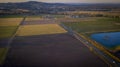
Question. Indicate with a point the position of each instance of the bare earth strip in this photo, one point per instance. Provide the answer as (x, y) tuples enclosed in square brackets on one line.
[(58, 50)]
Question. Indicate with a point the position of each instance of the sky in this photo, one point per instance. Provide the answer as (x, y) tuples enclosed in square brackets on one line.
[(65, 1)]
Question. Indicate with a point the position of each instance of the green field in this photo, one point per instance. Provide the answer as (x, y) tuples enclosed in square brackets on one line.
[(87, 27), (8, 26), (96, 25), (3, 53), (7, 31)]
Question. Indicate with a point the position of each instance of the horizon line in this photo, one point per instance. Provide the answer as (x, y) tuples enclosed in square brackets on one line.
[(68, 2)]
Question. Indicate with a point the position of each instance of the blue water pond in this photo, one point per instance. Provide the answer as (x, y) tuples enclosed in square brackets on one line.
[(108, 40)]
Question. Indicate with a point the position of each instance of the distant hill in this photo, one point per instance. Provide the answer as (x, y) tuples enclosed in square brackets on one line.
[(33, 7)]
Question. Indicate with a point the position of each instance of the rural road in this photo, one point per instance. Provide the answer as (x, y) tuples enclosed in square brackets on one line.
[(110, 61)]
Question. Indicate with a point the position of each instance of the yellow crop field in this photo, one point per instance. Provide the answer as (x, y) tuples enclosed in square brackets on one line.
[(28, 30), (10, 21), (33, 19), (3, 52)]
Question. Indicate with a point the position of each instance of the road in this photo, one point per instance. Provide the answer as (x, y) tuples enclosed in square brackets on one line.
[(104, 56)]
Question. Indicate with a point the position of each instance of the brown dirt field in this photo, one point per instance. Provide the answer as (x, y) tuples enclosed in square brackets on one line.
[(58, 50), (43, 21), (4, 42)]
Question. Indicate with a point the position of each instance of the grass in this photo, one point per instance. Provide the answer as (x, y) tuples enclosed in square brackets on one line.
[(7, 31), (58, 16), (100, 24), (10, 21), (8, 26), (117, 48), (3, 52), (43, 29)]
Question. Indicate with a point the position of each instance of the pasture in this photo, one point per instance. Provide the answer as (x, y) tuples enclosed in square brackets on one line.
[(97, 25)]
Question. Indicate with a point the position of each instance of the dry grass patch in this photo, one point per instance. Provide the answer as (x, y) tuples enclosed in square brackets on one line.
[(10, 21), (28, 30)]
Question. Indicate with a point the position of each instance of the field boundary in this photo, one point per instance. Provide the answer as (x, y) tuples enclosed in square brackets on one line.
[(11, 39), (101, 52)]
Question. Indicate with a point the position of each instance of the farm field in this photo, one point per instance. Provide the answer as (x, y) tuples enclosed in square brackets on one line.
[(99, 25), (36, 18), (69, 19), (29, 30), (11, 16), (4, 42), (10, 21), (46, 44), (8, 27), (7, 31), (3, 52), (40, 21), (51, 50)]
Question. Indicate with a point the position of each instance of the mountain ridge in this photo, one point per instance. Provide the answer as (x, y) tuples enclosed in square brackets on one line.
[(42, 7)]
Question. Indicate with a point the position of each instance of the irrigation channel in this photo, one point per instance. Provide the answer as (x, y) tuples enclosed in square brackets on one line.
[(109, 60)]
